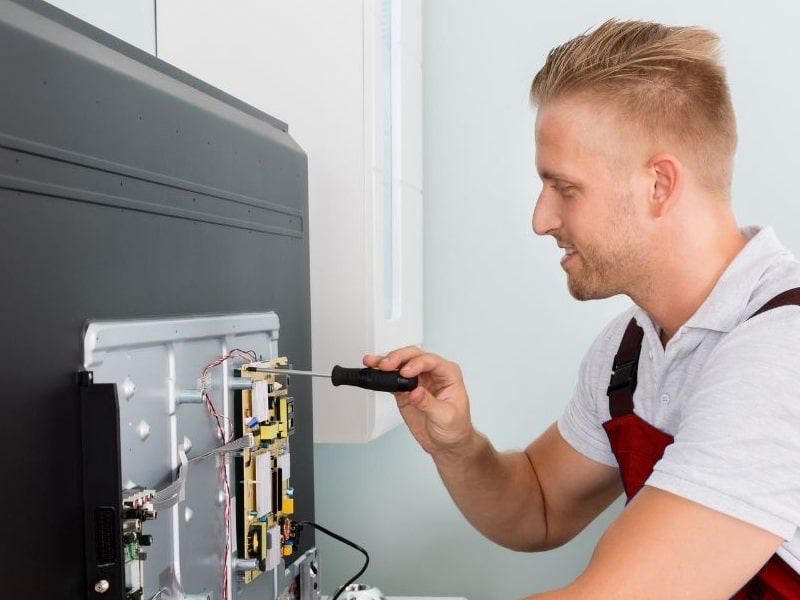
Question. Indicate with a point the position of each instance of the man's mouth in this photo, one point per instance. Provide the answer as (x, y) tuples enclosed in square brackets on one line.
[(569, 253)]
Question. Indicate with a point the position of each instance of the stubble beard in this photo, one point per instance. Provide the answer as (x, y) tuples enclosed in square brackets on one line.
[(611, 267), (597, 276)]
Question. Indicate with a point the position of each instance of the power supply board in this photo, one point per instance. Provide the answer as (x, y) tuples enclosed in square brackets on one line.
[(263, 472)]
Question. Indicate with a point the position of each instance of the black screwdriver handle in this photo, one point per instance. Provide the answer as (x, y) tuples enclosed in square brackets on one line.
[(373, 379)]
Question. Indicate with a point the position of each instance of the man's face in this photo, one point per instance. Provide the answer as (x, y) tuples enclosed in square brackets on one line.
[(591, 199)]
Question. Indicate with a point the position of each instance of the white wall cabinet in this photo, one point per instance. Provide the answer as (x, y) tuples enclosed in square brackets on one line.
[(346, 76)]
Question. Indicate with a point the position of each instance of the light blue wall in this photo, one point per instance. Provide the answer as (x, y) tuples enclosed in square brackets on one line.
[(495, 298)]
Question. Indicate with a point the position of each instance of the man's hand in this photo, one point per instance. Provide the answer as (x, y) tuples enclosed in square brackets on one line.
[(437, 411)]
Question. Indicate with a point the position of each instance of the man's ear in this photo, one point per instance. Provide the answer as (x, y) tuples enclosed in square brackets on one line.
[(667, 176)]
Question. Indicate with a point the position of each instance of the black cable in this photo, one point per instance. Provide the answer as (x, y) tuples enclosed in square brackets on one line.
[(344, 540)]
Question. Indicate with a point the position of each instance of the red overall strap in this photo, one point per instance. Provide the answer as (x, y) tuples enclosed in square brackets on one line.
[(638, 446), (775, 581), (626, 365), (786, 298)]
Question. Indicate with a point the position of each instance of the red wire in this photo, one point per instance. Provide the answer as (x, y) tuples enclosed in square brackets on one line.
[(248, 356)]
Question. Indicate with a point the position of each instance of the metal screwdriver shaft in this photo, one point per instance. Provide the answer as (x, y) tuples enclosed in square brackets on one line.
[(278, 371)]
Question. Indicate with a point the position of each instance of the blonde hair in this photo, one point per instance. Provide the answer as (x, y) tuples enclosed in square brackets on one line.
[(666, 82)]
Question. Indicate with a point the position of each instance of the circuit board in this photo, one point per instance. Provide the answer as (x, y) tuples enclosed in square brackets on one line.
[(137, 507), (263, 473)]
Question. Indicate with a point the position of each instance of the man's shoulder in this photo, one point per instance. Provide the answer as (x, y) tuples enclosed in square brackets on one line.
[(607, 341), (781, 275), (772, 268)]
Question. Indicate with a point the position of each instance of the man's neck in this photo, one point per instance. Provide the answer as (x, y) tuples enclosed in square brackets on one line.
[(687, 278)]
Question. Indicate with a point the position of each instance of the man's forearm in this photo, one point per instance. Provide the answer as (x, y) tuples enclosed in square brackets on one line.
[(498, 493)]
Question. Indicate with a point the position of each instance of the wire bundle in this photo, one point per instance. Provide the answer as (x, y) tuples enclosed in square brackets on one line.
[(225, 433)]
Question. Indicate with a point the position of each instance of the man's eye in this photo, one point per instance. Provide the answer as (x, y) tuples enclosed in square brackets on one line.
[(564, 191)]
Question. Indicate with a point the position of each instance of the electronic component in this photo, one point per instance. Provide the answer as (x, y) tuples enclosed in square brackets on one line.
[(263, 473), (137, 507)]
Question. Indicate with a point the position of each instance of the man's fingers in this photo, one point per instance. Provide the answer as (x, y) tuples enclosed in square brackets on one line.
[(421, 400), (372, 360), (393, 360), (413, 397), (437, 410)]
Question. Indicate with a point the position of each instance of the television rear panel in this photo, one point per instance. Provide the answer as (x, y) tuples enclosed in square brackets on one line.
[(135, 196)]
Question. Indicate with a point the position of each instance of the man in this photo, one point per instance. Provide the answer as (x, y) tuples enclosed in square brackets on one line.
[(635, 137)]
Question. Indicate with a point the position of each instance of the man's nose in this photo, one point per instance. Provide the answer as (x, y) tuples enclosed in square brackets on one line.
[(545, 218)]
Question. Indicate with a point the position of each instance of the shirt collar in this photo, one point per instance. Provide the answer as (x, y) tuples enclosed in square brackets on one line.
[(724, 308)]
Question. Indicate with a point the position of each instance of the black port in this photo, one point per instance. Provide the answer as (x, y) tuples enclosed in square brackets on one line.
[(239, 473), (129, 537), (142, 514), (277, 490), (105, 535)]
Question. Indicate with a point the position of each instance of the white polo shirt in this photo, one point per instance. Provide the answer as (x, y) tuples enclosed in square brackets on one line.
[(726, 388)]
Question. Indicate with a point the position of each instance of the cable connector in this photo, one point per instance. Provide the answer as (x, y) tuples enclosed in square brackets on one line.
[(297, 529)]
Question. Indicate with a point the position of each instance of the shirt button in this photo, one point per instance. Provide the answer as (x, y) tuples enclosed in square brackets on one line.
[(650, 354), (665, 399)]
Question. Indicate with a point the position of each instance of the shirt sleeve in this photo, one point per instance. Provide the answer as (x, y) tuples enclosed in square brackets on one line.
[(737, 447), (581, 424)]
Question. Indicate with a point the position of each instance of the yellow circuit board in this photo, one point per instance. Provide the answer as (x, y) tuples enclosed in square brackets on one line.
[(267, 498)]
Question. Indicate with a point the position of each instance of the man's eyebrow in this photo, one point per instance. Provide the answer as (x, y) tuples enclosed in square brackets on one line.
[(546, 175)]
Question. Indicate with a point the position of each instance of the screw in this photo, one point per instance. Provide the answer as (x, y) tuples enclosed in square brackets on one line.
[(102, 586), (143, 429), (128, 388)]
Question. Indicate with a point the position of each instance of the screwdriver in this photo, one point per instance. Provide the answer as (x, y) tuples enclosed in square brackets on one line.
[(369, 379)]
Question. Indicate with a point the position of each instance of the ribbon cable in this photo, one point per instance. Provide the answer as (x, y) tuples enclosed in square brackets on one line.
[(174, 492)]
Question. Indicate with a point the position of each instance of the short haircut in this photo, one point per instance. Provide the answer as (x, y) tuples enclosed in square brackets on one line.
[(667, 82)]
